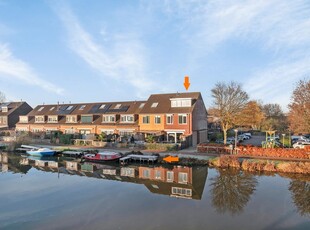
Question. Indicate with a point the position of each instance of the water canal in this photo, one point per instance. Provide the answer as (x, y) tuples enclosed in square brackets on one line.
[(65, 194)]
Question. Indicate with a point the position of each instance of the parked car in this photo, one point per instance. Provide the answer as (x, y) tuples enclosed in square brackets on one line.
[(301, 144), (248, 134)]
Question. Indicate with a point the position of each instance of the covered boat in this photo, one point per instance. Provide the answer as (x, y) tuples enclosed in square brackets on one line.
[(41, 152), (102, 156)]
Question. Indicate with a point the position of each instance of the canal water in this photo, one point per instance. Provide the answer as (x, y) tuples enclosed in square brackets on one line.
[(65, 194)]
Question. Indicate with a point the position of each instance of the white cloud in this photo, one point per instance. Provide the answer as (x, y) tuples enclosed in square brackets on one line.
[(125, 61), (13, 68)]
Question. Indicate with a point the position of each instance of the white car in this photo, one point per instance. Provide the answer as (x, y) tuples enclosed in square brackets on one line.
[(300, 145)]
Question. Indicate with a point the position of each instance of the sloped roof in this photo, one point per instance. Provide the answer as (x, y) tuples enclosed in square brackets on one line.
[(128, 107), (164, 103), (12, 106)]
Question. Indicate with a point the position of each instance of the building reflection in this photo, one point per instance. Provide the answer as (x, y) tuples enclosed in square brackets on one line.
[(300, 190), (174, 181)]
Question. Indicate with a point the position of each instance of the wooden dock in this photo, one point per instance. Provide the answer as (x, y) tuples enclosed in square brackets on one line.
[(140, 158)]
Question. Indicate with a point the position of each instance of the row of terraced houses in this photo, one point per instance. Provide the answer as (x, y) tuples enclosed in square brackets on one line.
[(172, 116)]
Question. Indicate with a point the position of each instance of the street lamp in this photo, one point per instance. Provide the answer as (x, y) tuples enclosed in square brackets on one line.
[(283, 135), (236, 138)]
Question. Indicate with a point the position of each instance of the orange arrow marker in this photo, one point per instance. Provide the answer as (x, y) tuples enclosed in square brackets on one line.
[(186, 82), (171, 159)]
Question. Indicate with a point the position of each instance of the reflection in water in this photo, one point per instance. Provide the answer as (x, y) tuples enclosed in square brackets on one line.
[(231, 190), (300, 191), (174, 181)]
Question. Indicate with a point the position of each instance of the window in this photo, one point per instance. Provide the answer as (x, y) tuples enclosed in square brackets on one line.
[(82, 107), (182, 178), (117, 106), (182, 119), (154, 105), (157, 174), (181, 191), (41, 108), (130, 172), (169, 176), (146, 119), (70, 107), (169, 119), (52, 108), (102, 107), (71, 119), (108, 118), (52, 119), (141, 106), (127, 118), (124, 133), (146, 173), (86, 119), (39, 119), (23, 119), (3, 120), (5, 109), (69, 131), (157, 119), (37, 130), (181, 102)]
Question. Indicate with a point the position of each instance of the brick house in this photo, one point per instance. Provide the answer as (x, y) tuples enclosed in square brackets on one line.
[(171, 116), (10, 112)]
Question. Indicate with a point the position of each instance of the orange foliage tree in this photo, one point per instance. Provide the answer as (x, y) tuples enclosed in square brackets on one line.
[(299, 108), (251, 116)]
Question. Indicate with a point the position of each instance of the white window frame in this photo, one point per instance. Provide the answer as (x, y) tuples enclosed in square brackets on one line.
[(170, 176), (146, 173), (108, 118), (171, 116), (156, 121), (127, 119), (183, 116), (23, 119), (154, 105), (183, 178), (157, 174), (146, 117), (117, 106), (51, 119), (70, 120), (37, 120), (41, 108)]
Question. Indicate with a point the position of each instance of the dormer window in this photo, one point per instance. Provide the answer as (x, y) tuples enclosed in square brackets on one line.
[(71, 119), (154, 105), (23, 119), (108, 118), (5, 109), (52, 119), (181, 102), (39, 119), (127, 118), (87, 118)]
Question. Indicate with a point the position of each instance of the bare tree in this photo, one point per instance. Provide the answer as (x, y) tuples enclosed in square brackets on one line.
[(299, 108), (2, 97), (229, 100)]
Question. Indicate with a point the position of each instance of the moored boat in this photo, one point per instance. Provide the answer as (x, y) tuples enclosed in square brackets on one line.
[(41, 152), (102, 156)]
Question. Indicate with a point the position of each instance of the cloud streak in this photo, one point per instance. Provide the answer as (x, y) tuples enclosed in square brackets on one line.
[(124, 62), (17, 69)]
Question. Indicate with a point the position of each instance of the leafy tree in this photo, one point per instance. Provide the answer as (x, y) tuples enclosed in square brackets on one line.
[(2, 97), (274, 118), (252, 115), (299, 108), (229, 100)]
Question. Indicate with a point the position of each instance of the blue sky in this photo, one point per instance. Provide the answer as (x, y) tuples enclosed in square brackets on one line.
[(92, 51)]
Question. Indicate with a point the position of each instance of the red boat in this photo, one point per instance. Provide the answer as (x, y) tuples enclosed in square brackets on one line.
[(102, 156)]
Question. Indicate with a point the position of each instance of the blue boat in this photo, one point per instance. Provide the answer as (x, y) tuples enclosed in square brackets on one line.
[(41, 152)]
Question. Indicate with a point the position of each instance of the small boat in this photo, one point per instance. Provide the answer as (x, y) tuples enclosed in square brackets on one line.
[(102, 156), (41, 152)]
